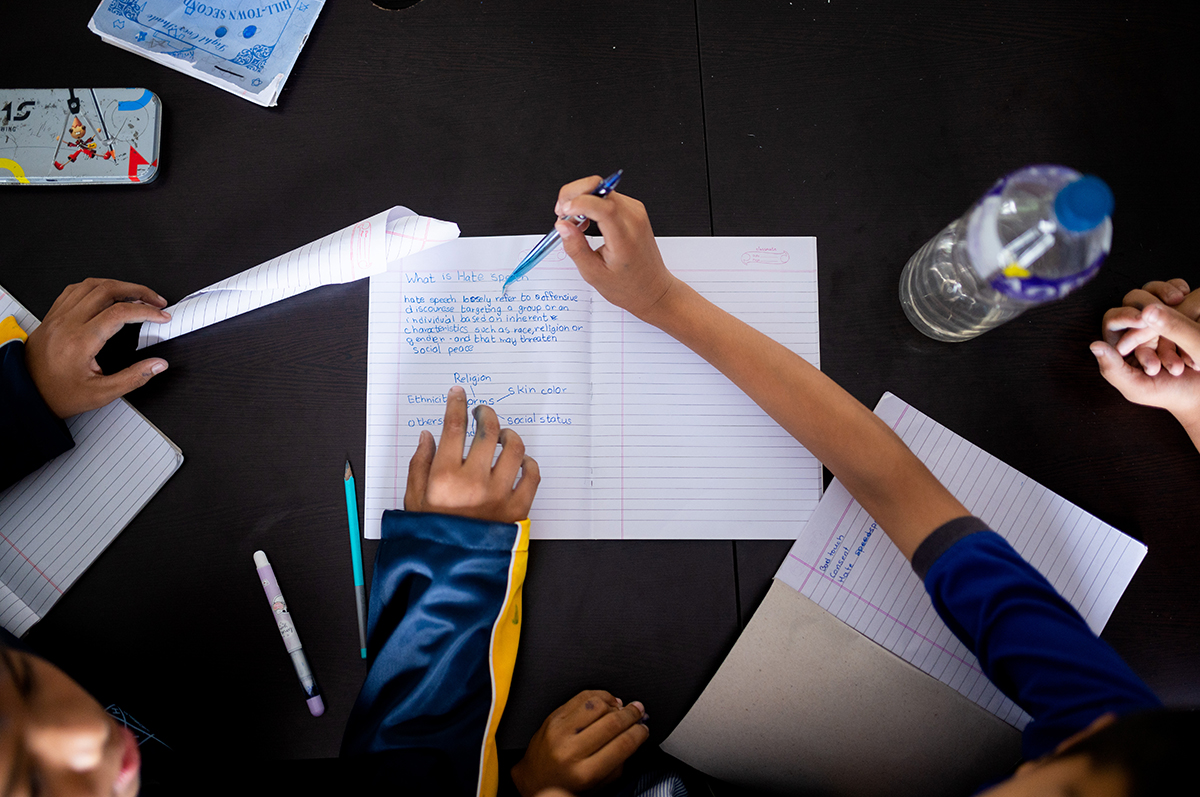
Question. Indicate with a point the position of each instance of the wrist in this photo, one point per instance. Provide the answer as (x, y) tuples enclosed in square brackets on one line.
[(520, 779), (1190, 421), (667, 306), (41, 380)]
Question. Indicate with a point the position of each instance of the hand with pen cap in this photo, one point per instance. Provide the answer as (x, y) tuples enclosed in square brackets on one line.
[(441, 480), (1157, 329), (582, 745), (61, 353), (628, 269)]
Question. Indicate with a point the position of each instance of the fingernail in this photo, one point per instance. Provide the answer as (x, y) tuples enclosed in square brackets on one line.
[(1152, 314), (426, 435), (638, 705), (161, 299), (158, 368), (1097, 350), (620, 702), (475, 412), (165, 314), (457, 391)]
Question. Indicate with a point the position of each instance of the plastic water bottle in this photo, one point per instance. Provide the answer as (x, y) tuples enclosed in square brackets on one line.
[(1038, 234)]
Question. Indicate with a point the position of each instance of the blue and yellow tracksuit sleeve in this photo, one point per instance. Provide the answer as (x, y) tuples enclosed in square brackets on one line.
[(30, 434), (442, 633)]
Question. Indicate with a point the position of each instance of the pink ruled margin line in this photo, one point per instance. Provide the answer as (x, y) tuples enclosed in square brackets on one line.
[(31, 564), (812, 569), (897, 621), (837, 525)]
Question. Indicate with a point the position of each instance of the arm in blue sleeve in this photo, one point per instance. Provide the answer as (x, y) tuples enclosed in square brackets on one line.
[(1030, 641), (434, 685), (32, 435)]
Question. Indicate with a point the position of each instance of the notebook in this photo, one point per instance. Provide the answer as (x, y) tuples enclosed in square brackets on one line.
[(246, 47), (847, 680), (58, 519), (844, 563), (636, 436)]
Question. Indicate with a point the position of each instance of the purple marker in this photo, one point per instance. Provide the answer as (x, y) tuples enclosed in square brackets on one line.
[(291, 640)]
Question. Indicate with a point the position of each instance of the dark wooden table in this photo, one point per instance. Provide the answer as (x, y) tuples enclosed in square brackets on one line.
[(868, 125)]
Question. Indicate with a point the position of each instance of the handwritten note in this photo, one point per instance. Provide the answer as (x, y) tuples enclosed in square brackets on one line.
[(357, 251), (636, 436), (845, 563)]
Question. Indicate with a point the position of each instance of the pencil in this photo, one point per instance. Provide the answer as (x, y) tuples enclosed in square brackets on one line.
[(356, 559)]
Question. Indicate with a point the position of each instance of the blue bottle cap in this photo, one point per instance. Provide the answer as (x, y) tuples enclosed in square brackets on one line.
[(1083, 204)]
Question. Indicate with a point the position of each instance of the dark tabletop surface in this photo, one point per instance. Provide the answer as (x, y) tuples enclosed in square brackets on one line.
[(869, 125)]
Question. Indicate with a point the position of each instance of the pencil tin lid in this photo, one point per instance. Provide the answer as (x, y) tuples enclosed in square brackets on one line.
[(79, 136)]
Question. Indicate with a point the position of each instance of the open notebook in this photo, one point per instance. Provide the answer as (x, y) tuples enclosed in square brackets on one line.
[(847, 679), (636, 436), (58, 519)]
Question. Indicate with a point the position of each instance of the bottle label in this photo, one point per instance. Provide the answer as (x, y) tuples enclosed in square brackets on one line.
[(1032, 288), (1008, 267)]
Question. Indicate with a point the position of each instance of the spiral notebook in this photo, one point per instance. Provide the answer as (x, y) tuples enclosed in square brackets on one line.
[(58, 519)]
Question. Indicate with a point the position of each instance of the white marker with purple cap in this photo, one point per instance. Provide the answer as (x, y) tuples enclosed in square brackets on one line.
[(287, 630)]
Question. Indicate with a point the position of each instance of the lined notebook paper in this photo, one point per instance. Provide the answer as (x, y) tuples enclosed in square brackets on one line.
[(635, 435), (58, 519), (847, 565), (349, 254)]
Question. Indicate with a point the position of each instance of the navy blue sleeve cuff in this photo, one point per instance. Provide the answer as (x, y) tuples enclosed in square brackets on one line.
[(941, 540), (31, 433), (1029, 640)]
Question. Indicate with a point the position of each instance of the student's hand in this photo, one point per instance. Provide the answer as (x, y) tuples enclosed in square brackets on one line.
[(441, 480), (583, 744), (61, 353), (627, 270), (1165, 344), (1123, 328)]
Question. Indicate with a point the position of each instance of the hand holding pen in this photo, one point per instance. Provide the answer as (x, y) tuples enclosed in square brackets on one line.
[(627, 269), (547, 244)]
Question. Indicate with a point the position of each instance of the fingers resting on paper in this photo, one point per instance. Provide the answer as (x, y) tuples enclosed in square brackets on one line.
[(1151, 348), (582, 744), (441, 479), (627, 269), (61, 352)]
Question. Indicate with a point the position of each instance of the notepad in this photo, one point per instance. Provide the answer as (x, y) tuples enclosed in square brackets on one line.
[(847, 565), (636, 436), (58, 519), (846, 681)]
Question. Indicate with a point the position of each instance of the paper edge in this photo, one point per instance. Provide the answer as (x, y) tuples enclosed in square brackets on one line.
[(764, 625)]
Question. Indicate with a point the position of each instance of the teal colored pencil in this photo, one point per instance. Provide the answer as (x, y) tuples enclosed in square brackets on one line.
[(356, 559)]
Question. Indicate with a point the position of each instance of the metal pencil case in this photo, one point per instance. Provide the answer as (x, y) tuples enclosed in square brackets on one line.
[(79, 136)]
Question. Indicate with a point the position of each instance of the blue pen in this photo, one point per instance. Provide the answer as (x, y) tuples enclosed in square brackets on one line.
[(356, 559), (547, 244)]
